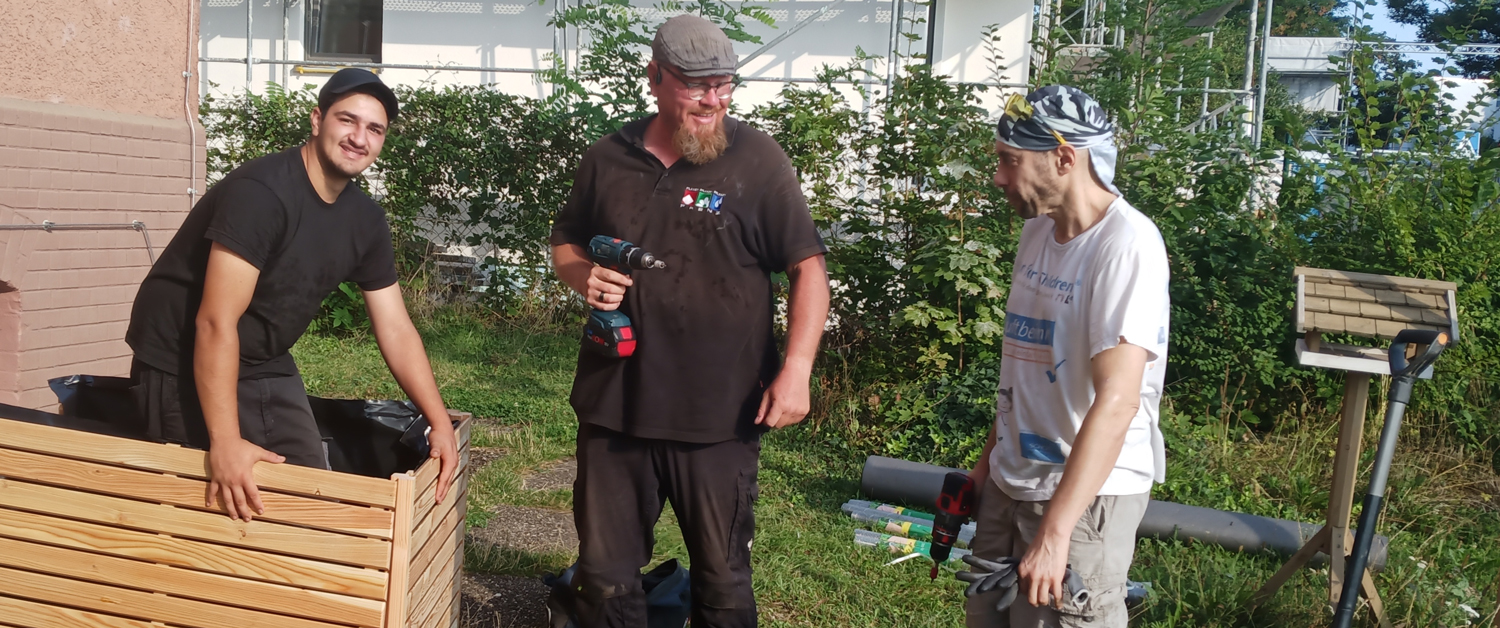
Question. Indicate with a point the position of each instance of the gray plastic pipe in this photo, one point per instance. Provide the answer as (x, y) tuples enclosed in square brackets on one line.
[(904, 481)]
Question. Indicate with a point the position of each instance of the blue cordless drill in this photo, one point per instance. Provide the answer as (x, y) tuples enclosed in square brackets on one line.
[(609, 333)]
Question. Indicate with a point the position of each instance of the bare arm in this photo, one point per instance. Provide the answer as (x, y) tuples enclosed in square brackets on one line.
[(1117, 376), (788, 399), (981, 472), (228, 285), (602, 288), (404, 355)]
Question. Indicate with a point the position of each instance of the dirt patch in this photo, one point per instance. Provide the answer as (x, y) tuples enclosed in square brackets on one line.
[(480, 456), (529, 529), (557, 476), (491, 601)]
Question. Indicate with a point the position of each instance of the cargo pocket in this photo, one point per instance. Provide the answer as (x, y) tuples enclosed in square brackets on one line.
[(742, 529)]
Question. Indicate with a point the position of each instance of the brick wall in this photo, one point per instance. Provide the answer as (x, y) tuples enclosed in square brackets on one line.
[(70, 164)]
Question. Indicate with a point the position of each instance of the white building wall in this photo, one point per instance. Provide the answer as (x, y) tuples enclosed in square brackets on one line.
[(514, 34)]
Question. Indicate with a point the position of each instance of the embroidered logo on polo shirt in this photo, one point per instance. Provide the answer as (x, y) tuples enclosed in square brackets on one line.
[(702, 200)]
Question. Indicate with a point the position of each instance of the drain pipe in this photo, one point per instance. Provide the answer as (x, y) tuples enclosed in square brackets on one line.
[(904, 481), (187, 107), (50, 226)]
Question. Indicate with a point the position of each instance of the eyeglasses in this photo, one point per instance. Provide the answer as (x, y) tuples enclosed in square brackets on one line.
[(696, 91)]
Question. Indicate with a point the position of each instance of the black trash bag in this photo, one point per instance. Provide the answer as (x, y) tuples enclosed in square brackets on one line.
[(103, 399), (370, 438), (39, 417), (669, 600)]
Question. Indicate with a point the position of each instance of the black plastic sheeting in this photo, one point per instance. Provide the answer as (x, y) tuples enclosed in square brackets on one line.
[(363, 437), (896, 480)]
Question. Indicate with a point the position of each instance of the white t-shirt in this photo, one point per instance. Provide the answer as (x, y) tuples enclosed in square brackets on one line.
[(1068, 302)]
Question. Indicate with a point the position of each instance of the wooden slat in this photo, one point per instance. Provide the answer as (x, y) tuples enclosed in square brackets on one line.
[(1424, 300), (205, 526), (424, 517), (1389, 329), (1375, 310), (186, 492), (1302, 296), (28, 614), (427, 476), (436, 580), (1317, 304), (1407, 314), (443, 592), (465, 427), (440, 534), (300, 572), (426, 530), (451, 518), (434, 597), (431, 574), (1344, 307), (1428, 286), (1326, 322), (1359, 293), (400, 559), (207, 587), (1390, 297), (1326, 290), (1435, 317), (283, 478), (118, 601), (1360, 326)]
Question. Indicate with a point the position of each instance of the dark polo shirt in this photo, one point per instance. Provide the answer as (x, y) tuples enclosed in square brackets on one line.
[(705, 351)]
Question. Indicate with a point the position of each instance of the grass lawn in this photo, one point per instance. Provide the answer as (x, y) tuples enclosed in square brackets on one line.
[(1442, 512)]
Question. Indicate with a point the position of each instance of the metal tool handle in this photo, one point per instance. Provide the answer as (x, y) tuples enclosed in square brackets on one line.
[(1403, 375), (1435, 341)]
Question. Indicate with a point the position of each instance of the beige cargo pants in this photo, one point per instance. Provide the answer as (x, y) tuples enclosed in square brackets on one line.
[(1102, 546)]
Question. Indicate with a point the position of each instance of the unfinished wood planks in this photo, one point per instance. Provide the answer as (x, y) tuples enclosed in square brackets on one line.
[(97, 531)]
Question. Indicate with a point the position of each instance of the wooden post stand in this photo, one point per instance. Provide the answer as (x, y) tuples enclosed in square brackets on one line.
[(1373, 306)]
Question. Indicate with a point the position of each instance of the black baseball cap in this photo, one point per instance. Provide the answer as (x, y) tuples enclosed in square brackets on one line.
[(358, 80)]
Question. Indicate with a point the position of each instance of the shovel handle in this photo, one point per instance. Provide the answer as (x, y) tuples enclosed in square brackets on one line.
[(1434, 341)]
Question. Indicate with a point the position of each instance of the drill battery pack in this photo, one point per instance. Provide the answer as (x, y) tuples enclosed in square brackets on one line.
[(609, 334)]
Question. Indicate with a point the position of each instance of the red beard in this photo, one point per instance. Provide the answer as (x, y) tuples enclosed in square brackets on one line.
[(697, 144)]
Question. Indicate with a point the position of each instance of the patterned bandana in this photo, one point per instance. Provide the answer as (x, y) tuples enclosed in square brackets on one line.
[(1059, 115)]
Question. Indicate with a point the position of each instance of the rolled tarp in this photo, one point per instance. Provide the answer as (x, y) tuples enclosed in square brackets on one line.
[(916, 483)]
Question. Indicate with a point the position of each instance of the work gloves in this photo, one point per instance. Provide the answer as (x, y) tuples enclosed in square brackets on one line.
[(987, 575)]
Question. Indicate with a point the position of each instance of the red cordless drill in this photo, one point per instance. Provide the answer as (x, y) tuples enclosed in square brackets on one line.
[(954, 506), (609, 333)]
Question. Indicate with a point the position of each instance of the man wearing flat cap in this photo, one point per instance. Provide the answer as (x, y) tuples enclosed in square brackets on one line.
[(680, 420), (243, 278), (1075, 446)]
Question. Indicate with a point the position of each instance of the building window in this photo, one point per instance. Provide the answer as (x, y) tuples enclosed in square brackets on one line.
[(343, 30)]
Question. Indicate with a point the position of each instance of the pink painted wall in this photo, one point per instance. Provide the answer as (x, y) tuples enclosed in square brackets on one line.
[(124, 56), (93, 129)]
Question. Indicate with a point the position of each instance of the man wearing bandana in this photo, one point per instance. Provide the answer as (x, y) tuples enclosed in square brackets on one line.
[(1064, 479), (680, 420)]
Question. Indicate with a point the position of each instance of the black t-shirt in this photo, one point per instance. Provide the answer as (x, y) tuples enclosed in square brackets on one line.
[(705, 350), (268, 212)]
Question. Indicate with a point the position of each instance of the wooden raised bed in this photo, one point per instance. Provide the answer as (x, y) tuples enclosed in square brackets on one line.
[(99, 531)]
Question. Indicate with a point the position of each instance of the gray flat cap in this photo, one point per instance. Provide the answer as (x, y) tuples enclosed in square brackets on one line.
[(695, 46)]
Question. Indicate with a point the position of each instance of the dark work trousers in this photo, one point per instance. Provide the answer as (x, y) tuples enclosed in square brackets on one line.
[(274, 414), (622, 483)]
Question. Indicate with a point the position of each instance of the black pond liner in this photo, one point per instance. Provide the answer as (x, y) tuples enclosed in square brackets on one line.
[(363, 437)]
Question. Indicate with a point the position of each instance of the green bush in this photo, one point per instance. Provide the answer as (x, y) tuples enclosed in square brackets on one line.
[(921, 242)]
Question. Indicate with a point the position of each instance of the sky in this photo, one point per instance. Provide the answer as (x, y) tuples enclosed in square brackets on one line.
[(1401, 32)]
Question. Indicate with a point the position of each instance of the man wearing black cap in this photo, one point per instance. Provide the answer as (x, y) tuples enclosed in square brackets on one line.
[(1076, 444), (680, 420), (242, 279)]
